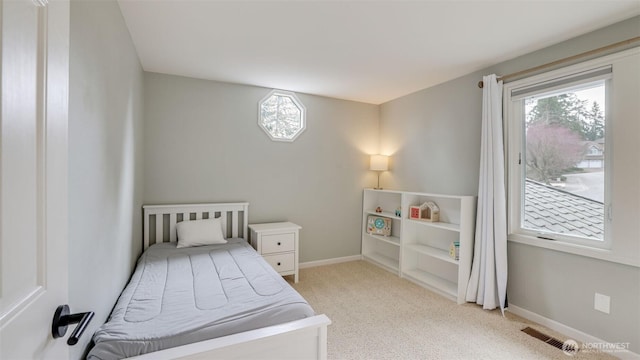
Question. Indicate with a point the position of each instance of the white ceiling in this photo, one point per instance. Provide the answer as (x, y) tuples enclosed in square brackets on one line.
[(356, 50)]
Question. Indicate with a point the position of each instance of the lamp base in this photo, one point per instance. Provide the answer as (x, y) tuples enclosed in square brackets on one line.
[(378, 187)]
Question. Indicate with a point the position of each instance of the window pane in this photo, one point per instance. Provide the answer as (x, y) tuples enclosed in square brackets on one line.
[(281, 116), (564, 162)]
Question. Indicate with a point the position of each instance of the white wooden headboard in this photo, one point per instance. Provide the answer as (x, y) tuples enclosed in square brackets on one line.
[(160, 220)]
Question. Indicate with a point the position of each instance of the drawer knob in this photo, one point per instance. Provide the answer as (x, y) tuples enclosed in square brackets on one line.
[(278, 264), (279, 243)]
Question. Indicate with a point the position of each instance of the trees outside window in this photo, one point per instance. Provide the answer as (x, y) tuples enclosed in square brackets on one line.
[(551, 150), (560, 131)]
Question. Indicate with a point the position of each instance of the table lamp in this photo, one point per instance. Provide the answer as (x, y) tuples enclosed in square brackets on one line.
[(379, 163)]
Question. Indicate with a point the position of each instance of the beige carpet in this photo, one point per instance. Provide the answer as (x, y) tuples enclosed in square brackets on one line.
[(377, 315)]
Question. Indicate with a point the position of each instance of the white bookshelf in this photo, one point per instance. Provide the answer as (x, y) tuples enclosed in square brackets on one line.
[(419, 250), (382, 250)]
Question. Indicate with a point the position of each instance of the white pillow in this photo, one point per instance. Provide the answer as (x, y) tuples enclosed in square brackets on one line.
[(199, 232)]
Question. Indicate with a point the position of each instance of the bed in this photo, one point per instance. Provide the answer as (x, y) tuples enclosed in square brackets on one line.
[(205, 302)]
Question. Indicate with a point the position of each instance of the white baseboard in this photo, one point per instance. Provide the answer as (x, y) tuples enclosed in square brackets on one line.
[(309, 264), (570, 332)]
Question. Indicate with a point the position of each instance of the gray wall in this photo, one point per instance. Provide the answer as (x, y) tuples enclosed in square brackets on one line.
[(105, 160), (203, 144), (434, 137)]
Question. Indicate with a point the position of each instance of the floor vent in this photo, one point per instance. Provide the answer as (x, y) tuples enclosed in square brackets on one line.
[(548, 339)]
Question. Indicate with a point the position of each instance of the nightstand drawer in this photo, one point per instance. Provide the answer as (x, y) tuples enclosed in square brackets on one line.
[(278, 243), (281, 262)]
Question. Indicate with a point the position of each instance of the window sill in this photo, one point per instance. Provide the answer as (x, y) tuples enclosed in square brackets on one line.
[(580, 250)]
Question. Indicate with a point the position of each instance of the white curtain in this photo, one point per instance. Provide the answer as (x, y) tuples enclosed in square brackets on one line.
[(488, 282)]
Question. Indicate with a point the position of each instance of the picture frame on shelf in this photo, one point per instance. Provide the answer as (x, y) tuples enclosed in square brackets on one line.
[(378, 225)]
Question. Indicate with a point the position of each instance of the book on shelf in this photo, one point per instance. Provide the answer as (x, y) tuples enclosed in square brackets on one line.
[(454, 250)]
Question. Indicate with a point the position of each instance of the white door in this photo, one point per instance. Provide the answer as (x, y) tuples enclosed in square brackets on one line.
[(34, 51)]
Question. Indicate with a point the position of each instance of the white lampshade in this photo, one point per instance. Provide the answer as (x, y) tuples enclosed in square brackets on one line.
[(379, 163)]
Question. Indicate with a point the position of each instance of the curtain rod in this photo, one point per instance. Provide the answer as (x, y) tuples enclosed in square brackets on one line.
[(609, 48)]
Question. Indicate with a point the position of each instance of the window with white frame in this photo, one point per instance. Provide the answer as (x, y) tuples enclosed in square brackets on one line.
[(573, 158), (559, 186), (281, 115)]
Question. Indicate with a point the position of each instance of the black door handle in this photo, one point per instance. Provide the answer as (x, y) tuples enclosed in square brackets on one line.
[(62, 319)]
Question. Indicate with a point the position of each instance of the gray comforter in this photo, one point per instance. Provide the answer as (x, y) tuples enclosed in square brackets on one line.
[(181, 296)]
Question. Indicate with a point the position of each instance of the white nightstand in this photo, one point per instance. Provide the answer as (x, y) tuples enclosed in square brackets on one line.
[(278, 245)]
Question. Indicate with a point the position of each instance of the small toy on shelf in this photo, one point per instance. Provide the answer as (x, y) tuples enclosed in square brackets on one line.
[(454, 250), (398, 212), (378, 209), (428, 211)]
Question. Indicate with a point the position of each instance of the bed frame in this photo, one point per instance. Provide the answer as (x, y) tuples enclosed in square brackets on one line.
[(160, 220), (301, 339)]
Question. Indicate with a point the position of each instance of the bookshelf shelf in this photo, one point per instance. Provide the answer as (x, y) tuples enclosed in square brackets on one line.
[(440, 225), (393, 240), (384, 260), (433, 252), (448, 288)]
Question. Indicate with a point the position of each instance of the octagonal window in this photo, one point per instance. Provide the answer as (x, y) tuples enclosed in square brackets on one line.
[(281, 115)]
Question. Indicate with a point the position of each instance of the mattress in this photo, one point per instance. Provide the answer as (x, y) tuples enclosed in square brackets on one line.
[(182, 296)]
